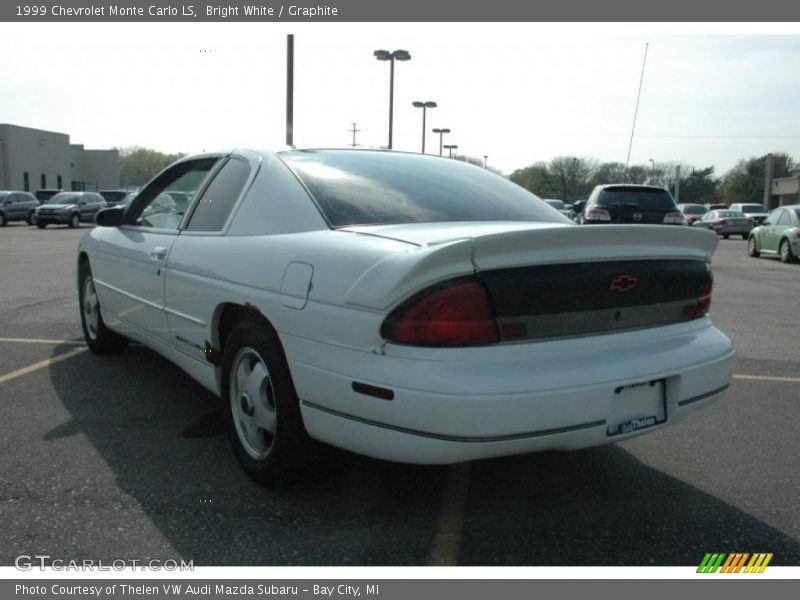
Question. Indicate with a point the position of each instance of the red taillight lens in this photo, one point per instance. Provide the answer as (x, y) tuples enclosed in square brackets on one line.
[(456, 314), (597, 214), (674, 218), (703, 304)]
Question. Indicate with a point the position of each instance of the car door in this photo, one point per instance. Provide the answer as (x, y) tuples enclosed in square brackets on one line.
[(129, 265), (11, 207), (769, 241)]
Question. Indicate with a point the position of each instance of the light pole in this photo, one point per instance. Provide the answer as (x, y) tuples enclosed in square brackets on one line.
[(652, 169), (485, 158), (391, 57), (424, 106), (451, 147), (441, 132)]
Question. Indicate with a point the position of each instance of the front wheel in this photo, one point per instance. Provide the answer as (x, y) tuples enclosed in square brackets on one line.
[(31, 218), (262, 411), (752, 250), (786, 252), (98, 337), (726, 235), (3, 220), (41, 225), (75, 221)]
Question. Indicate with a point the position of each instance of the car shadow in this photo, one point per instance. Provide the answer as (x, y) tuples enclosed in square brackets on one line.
[(161, 435)]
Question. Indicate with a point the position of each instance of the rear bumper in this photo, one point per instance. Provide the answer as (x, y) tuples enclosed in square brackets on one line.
[(456, 405)]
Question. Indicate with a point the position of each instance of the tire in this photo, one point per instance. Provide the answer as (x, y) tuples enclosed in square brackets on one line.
[(3, 220), (726, 236), (99, 338), (75, 221), (744, 236), (260, 404), (31, 218), (41, 225), (752, 249), (786, 252)]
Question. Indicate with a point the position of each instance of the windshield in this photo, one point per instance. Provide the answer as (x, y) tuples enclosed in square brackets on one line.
[(557, 204), (729, 213), (3, 195), (643, 198), (64, 198), (379, 188), (694, 210)]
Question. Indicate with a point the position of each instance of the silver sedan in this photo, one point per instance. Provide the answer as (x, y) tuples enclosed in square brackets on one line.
[(726, 223)]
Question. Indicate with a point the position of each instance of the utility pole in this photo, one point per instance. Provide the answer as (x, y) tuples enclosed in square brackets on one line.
[(677, 184), (354, 131)]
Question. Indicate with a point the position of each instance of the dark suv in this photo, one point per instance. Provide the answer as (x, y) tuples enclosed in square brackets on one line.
[(628, 203), (69, 208)]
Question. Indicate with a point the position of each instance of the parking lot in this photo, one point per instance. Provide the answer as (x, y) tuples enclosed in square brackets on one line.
[(124, 456)]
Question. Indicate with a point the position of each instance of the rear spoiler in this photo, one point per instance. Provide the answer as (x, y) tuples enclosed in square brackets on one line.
[(399, 275)]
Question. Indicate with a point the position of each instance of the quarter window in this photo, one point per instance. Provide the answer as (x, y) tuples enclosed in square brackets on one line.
[(214, 206)]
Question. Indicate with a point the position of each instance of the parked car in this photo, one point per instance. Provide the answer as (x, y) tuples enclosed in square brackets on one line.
[(628, 203), (113, 197), (780, 234), (755, 211), (69, 208), (726, 223), (718, 206), (403, 306), (692, 212), (559, 205), (17, 206), (44, 195)]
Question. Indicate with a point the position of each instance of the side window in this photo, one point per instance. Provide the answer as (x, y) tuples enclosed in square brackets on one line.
[(214, 206), (155, 205), (773, 217), (784, 218)]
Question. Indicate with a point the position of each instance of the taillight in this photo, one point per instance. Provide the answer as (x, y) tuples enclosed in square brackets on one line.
[(674, 218), (457, 313), (597, 214), (723, 221), (703, 304)]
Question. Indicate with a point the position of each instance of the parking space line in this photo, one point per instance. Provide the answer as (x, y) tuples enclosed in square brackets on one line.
[(768, 378), (37, 341), (41, 365), (447, 541)]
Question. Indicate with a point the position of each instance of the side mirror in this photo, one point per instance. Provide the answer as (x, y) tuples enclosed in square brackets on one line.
[(110, 217)]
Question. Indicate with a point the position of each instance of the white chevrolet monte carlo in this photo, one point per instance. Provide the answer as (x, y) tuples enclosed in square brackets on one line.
[(402, 306)]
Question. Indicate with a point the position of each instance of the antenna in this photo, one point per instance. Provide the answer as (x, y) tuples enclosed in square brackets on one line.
[(290, 90), (354, 131), (636, 111)]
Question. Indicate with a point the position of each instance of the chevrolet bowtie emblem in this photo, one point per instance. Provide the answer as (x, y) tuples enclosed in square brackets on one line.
[(623, 283)]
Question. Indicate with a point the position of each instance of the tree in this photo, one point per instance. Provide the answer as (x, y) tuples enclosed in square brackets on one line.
[(699, 186), (138, 165), (567, 178), (745, 181), (478, 162)]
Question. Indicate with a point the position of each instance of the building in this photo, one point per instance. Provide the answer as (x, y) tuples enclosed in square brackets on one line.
[(786, 190), (34, 159)]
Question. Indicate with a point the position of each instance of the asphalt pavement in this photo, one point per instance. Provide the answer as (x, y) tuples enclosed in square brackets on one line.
[(124, 457)]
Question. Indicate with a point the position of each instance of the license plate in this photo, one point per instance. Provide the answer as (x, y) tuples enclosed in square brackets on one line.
[(637, 406)]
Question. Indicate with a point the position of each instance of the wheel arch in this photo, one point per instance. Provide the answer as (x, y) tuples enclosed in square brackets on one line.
[(225, 317)]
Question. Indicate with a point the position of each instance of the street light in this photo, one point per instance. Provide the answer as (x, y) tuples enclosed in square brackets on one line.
[(485, 158), (391, 57), (652, 168), (424, 106), (451, 147), (441, 132)]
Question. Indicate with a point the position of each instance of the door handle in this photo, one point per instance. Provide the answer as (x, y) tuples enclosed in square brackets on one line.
[(158, 253)]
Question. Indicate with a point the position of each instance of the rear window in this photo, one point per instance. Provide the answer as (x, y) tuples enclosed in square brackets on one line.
[(378, 188), (643, 198)]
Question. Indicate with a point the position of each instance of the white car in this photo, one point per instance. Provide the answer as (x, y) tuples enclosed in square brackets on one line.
[(403, 306)]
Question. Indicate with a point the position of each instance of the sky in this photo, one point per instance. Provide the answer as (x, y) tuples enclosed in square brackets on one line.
[(517, 93)]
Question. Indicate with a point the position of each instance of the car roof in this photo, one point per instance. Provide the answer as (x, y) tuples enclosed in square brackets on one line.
[(631, 186)]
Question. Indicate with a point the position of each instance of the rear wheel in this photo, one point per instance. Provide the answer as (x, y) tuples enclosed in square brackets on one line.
[(31, 218), (726, 235), (3, 220), (98, 337), (41, 225), (261, 407), (75, 221), (752, 249), (786, 252), (744, 236)]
